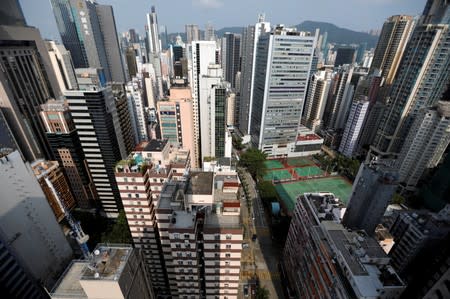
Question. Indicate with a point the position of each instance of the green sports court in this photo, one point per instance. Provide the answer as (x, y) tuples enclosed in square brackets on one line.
[(299, 161), (273, 164), (309, 171), (288, 192), (279, 174)]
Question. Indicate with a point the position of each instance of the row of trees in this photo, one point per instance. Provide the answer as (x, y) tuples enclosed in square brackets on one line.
[(253, 159), (345, 166)]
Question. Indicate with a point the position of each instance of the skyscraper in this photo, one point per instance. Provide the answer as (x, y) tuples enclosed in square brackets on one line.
[(27, 81), (339, 99), (426, 142), (352, 131), (154, 44), (391, 45), (421, 80), (27, 223), (231, 44), (203, 54), (67, 150), (279, 91), (212, 104), (249, 43), (345, 55), (316, 101), (137, 110), (17, 283), (192, 33), (95, 117), (88, 31), (62, 66), (210, 33), (108, 29), (372, 191), (322, 259)]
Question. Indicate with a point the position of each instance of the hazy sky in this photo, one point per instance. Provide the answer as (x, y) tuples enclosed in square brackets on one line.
[(358, 15)]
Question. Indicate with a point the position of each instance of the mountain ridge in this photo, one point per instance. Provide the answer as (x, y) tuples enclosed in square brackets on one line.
[(336, 34)]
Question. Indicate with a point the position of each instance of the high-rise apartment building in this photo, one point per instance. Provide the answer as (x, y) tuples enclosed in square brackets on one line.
[(124, 131), (27, 81), (316, 101), (345, 55), (112, 271), (231, 45), (62, 66), (176, 122), (63, 200), (352, 131), (391, 45), (27, 223), (414, 232), (372, 191), (210, 33), (67, 150), (249, 43), (88, 31), (279, 90), (212, 103), (322, 259), (425, 144), (203, 54), (192, 33), (137, 110), (95, 117), (421, 80), (339, 99), (147, 170)]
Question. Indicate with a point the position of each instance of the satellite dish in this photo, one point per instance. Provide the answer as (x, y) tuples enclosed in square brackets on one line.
[(96, 275), (97, 252)]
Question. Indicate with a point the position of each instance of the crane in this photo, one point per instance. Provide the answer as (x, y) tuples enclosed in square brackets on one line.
[(80, 236)]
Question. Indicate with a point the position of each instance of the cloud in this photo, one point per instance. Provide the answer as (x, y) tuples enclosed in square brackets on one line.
[(208, 3)]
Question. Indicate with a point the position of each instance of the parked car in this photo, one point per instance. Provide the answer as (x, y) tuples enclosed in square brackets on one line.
[(254, 237), (245, 245), (246, 290)]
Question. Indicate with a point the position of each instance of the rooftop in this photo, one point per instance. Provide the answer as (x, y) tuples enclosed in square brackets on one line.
[(155, 145), (43, 167), (182, 219), (107, 262), (200, 183), (222, 221), (69, 285), (326, 206)]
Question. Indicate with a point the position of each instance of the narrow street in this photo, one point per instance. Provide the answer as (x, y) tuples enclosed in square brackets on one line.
[(261, 257)]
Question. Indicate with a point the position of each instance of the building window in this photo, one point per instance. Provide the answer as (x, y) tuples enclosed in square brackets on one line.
[(176, 236), (228, 237), (228, 246), (186, 236), (129, 195), (136, 195), (227, 255)]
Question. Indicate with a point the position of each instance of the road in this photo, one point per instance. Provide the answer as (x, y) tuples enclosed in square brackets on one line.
[(262, 256)]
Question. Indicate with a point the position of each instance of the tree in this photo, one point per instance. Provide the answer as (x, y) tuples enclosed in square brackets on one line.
[(262, 293), (253, 159), (237, 142), (267, 192), (120, 232)]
